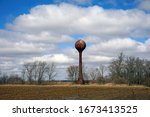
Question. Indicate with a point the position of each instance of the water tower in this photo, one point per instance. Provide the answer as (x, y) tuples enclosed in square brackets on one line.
[(80, 45)]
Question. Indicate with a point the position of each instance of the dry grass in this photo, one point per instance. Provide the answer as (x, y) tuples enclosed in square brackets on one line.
[(73, 92)]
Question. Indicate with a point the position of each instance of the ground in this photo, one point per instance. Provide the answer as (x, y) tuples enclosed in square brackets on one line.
[(74, 92)]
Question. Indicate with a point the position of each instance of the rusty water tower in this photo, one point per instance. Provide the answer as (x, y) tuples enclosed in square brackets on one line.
[(80, 45)]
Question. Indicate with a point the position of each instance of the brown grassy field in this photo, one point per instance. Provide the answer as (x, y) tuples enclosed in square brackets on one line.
[(74, 92)]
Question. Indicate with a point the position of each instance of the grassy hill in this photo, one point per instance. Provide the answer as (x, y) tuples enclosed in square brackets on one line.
[(74, 92)]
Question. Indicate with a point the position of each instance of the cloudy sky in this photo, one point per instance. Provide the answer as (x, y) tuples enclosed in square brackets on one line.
[(47, 30)]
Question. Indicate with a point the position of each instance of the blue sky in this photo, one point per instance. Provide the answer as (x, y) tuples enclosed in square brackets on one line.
[(9, 9), (47, 30)]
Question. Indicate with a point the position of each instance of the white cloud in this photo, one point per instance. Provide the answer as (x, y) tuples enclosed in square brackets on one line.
[(99, 59), (142, 48), (56, 58), (106, 50), (18, 47), (9, 48), (47, 37), (144, 4), (70, 19), (116, 44), (120, 44)]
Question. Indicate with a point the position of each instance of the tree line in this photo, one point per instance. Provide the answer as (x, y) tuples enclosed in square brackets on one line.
[(130, 70), (122, 70), (36, 72), (11, 79)]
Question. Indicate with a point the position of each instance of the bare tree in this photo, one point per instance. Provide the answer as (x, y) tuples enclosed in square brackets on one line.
[(147, 73), (51, 71), (117, 68), (139, 76), (41, 69), (101, 70), (73, 72), (93, 74), (4, 79), (135, 70), (131, 70), (28, 69), (15, 79), (97, 74), (37, 71)]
